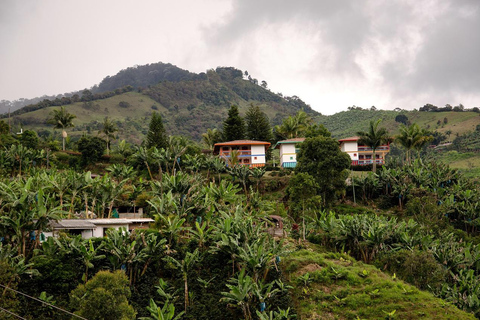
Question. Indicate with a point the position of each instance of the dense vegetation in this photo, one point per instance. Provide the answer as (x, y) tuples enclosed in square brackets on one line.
[(208, 254)]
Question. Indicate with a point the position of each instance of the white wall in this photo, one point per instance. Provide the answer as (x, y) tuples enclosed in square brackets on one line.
[(99, 231), (287, 153), (349, 146), (258, 151)]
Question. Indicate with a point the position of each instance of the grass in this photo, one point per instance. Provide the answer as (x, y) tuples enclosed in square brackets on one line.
[(467, 163), (335, 286)]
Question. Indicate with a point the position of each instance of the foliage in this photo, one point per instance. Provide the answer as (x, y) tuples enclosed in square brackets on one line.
[(103, 297), (92, 149), (373, 138), (234, 125), (321, 158), (156, 136), (257, 124), (61, 119)]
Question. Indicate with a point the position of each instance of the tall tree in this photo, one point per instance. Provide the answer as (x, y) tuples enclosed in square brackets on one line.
[(156, 136), (109, 128), (374, 138), (61, 119), (322, 158), (234, 125), (258, 125)]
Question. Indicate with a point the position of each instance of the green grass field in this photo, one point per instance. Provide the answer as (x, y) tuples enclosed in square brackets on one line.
[(335, 286)]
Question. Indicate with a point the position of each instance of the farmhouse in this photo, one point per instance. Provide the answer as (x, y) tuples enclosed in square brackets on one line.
[(245, 152), (363, 155), (288, 151), (89, 228)]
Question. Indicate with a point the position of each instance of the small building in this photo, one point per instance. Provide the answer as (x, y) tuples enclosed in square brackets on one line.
[(363, 155), (288, 151), (89, 228), (248, 152)]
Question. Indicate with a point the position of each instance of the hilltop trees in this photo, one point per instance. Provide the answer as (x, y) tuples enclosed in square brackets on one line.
[(258, 125), (62, 119), (156, 136), (374, 138), (234, 125)]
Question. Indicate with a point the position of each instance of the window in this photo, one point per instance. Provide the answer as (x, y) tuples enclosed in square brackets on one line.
[(255, 158), (291, 158)]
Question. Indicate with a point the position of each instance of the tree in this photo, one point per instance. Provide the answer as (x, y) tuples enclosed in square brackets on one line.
[(61, 119), (156, 136), (294, 127), (402, 119), (4, 127), (109, 128), (234, 125), (412, 137), (29, 139), (185, 266), (258, 125), (104, 297), (92, 149), (317, 130), (374, 138), (211, 137), (322, 158)]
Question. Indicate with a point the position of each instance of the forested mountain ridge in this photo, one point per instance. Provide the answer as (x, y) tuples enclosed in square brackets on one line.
[(189, 103)]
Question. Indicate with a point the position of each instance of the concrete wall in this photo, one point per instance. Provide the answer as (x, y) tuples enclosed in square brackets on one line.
[(288, 154), (99, 232), (258, 154)]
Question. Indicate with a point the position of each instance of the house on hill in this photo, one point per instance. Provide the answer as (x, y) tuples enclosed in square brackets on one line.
[(363, 155), (245, 152), (288, 152)]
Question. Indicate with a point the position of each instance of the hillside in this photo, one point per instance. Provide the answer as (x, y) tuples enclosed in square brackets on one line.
[(335, 286), (347, 123), (189, 103)]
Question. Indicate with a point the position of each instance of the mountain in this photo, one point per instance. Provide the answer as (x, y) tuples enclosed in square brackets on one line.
[(189, 103)]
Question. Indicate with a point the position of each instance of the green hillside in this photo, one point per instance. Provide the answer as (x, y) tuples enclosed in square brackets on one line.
[(334, 286), (347, 123), (188, 107)]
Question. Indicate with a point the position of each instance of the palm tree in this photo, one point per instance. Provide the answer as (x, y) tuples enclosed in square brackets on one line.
[(211, 137), (412, 137), (294, 127), (109, 128), (374, 138), (61, 119)]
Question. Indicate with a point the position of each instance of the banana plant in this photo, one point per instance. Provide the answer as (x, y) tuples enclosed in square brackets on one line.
[(167, 312), (185, 265)]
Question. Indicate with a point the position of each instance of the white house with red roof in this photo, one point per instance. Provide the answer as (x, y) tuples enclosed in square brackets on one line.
[(363, 155), (249, 152), (288, 151)]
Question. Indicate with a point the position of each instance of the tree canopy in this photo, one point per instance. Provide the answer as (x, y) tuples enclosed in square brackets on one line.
[(374, 138), (321, 158), (234, 125), (156, 135), (258, 125)]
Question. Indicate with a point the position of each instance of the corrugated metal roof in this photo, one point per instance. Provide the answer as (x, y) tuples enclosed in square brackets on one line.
[(73, 224)]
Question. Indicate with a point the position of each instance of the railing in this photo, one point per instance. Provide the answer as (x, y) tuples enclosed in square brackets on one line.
[(384, 148), (240, 153), (365, 162)]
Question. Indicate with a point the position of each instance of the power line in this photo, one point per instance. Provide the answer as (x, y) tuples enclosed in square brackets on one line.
[(41, 301), (13, 314)]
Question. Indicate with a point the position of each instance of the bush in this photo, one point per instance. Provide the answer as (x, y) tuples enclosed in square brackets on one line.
[(416, 267)]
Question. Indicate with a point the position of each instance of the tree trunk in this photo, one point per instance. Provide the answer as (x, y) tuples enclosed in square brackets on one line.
[(186, 293)]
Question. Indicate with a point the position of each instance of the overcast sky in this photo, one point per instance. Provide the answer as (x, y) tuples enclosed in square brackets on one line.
[(332, 54)]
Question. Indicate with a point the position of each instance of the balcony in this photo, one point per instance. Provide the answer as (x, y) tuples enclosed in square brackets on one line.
[(241, 153)]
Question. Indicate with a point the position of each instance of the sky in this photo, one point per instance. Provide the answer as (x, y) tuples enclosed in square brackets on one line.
[(332, 54)]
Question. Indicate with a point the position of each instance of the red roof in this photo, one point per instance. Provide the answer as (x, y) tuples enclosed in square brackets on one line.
[(242, 143), (349, 139)]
